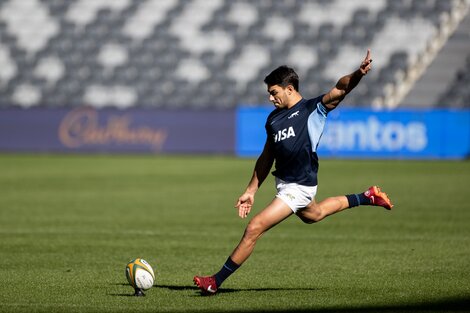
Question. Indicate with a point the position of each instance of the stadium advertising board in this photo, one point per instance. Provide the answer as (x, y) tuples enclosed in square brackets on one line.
[(111, 130), (363, 133)]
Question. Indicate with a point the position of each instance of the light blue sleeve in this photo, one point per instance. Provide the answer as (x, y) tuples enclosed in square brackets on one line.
[(316, 124)]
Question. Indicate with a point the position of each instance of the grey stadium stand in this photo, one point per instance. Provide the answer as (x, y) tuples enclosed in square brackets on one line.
[(198, 54)]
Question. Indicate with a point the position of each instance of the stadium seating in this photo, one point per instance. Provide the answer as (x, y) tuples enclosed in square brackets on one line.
[(210, 53), (458, 93)]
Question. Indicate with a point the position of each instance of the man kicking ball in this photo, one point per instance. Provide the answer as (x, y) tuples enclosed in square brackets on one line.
[(293, 132)]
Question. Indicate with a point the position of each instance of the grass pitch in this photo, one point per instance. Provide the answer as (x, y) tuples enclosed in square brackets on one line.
[(69, 225)]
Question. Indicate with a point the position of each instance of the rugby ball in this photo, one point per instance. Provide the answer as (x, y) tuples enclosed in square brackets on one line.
[(140, 274)]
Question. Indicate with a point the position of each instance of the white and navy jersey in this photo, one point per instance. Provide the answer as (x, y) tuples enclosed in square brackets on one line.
[(294, 134)]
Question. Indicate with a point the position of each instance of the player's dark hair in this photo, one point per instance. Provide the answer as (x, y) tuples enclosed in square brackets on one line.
[(283, 76)]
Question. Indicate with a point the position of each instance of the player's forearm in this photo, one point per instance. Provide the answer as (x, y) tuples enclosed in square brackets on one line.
[(344, 85), (254, 184), (261, 171), (349, 82), (256, 180)]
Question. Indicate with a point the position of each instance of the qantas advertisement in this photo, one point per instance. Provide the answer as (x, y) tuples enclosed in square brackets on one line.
[(364, 133)]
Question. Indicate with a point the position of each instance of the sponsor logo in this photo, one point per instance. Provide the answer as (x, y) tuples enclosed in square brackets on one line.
[(82, 127), (296, 113), (284, 134), (290, 196), (210, 289), (375, 135)]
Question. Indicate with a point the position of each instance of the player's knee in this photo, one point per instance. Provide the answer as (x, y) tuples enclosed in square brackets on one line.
[(254, 230), (310, 220), (307, 220), (310, 216)]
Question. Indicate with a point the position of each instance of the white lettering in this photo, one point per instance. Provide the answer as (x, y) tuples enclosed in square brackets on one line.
[(375, 135), (284, 134), (290, 132), (393, 136), (416, 134)]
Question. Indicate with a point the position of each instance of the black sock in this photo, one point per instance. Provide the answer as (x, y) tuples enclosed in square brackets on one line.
[(357, 199), (226, 270)]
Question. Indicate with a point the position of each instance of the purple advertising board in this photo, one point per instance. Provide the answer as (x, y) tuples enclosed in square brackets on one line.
[(86, 129)]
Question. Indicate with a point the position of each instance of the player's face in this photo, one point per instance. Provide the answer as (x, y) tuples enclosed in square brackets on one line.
[(278, 96)]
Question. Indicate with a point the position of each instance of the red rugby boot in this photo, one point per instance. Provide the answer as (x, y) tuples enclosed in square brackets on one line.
[(379, 198), (206, 284)]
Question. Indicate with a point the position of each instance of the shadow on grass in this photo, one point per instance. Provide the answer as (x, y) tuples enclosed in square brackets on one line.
[(130, 294), (221, 291), (228, 290), (445, 304), (121, 294)]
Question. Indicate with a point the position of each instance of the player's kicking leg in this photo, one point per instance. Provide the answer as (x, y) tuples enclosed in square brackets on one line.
[(315, 212), (378, 198), (272, 215), (207, 284)]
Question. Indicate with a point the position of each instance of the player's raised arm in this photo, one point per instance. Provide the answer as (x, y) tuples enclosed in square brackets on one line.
[(347, 83)]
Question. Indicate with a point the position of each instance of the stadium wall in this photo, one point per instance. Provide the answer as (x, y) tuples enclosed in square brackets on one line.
[(349, 133), (116, 131)]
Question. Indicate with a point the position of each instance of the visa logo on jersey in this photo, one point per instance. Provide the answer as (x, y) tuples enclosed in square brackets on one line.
[(284, 134)]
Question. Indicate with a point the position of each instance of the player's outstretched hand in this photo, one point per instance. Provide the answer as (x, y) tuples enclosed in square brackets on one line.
[(244, 204), (366, 65)]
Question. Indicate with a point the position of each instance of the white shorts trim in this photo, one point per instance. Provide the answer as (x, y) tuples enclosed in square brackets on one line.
[(294, 195)]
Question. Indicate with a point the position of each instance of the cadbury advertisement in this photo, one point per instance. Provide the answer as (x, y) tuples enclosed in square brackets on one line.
[(87, 129)]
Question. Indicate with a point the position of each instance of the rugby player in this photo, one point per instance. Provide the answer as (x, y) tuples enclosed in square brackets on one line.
[(293, 130)]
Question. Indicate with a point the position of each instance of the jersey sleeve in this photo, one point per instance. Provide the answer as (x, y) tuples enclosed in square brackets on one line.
[(267, 125), (322, 109), (267, 130), (317, 104)]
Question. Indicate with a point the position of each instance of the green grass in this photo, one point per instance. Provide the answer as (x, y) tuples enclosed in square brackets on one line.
[(69, 224)]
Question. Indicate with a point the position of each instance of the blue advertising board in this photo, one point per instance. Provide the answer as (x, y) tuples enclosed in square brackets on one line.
[(365, 133)]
